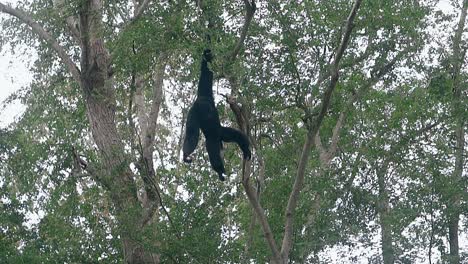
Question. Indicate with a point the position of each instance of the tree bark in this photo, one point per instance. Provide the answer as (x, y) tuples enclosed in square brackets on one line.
[(313, 127), (96, 84), (384, 211), (459, 113)]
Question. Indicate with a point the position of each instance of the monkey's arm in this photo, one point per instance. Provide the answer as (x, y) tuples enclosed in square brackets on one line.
[(233, 135)]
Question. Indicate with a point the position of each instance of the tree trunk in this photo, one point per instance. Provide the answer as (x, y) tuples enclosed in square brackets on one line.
[(459, 113), (95, 81), (98, 90), (454, 257), (384, 211)]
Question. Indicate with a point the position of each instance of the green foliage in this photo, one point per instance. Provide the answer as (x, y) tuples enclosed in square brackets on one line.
[(440, 86), (396, 145)]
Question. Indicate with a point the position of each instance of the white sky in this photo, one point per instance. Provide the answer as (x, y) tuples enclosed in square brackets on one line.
[(14, 74)]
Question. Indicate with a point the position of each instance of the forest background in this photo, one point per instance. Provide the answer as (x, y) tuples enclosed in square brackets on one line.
[(356, 111)]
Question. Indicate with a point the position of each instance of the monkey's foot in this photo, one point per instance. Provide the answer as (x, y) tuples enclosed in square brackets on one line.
[(188, 159), (221, 177), (247, 155)]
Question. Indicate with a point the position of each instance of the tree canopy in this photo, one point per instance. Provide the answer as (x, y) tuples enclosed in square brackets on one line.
[(356, 112)]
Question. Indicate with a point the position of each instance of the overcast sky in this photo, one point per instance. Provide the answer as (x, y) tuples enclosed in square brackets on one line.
[(14, 74)]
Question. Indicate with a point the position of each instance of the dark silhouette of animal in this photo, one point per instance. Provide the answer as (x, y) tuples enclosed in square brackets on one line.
[(204, 116)]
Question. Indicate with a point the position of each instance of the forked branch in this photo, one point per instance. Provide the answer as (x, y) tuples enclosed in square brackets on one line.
[(250, 8), (313, 129), (242, 122)]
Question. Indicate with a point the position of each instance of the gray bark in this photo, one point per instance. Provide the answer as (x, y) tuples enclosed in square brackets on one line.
[(94, 78), (384, 211), (459, 112)]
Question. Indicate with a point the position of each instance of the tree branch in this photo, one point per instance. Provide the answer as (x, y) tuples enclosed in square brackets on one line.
[(140, 105), (250, 8), (148, 125), (43, 34), (457, 59), (71, 21), (250, 191), (251, 195), (139, 10), (335, 67), (326, 155), (298, 183), (156, 102)]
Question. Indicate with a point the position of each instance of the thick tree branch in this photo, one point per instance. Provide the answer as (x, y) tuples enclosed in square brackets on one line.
[(298, 183), (148, 125), (250, 191), (335, 67), (453, 210), (140, 105), (251, 195), (43, 34), (139, 10), (253, 219), (457, 59), (156, 102), (294, 196), (250, 8), (326, 155)]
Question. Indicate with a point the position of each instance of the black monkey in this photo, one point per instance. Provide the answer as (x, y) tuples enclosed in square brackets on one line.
[(204, 115)]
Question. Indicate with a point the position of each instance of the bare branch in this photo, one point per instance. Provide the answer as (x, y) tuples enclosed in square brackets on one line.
[(457, 58), (140, 105), (335, 67), (250, 8), (156, 102), (298, 183), (294, 196), (250, 191), (148, 124), (251, 195), (318, 145), (43, 34), (139, 10), (347, 34), (72, 23), (326, 156)]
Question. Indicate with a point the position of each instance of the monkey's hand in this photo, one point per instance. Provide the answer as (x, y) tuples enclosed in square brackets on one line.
[(207, 55)]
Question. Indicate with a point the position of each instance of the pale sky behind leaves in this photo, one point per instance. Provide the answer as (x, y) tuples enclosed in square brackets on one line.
[(15, 74)]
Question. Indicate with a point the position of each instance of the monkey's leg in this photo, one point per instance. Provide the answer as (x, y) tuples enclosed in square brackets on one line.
[(192, 134), (233, 135), (213, 147)]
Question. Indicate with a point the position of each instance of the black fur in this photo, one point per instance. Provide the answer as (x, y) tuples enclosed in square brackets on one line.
[(204, 115)]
